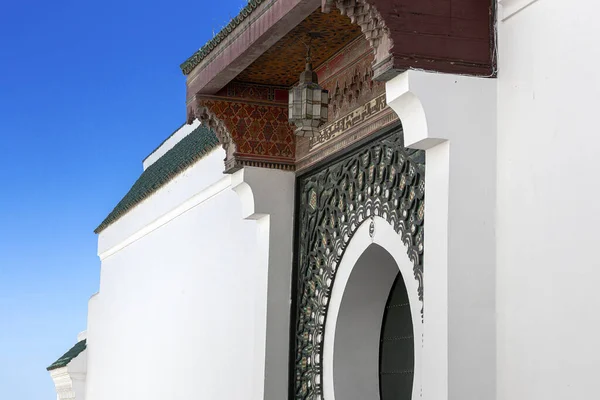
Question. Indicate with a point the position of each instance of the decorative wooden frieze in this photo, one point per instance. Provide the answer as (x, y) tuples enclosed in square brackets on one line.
[(251, 91), (357, 107), (373, 27), (364, 15), (253, 133), (358, 85), (356, 117), (367, 17), (386, 118), (348, 76)]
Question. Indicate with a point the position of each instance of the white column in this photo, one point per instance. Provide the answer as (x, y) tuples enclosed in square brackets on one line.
[(453, 118), (267, 196)]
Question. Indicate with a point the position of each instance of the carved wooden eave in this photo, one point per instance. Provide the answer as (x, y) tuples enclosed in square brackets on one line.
[(253, 132), (238, 82), (267, 23), (453, 36)]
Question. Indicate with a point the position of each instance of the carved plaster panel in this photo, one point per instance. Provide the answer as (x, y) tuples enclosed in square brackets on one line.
[(357, 105), (348, 76)]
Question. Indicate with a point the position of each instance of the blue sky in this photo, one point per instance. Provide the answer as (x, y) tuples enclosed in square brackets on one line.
[(87, 90)]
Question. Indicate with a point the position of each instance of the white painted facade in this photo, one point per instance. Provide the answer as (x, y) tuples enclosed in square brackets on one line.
[(547, 231), (194, 298), (182, 309)]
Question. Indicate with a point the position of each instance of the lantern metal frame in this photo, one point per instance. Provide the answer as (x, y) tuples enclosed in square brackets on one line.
[(308, 101)]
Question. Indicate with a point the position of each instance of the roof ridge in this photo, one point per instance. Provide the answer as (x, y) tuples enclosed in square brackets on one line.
[(188, 65), (183, 155), (164, 141), (66, 358)]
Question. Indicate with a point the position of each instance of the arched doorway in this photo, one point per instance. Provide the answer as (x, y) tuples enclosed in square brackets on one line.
[(367, 287), (373, 344), (372, 196)]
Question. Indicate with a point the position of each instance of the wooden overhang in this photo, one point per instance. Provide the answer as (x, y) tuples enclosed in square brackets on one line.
[(237, 83), (452, 36)]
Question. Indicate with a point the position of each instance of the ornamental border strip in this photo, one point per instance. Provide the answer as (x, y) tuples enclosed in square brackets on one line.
[(192, 62), (380, 178)]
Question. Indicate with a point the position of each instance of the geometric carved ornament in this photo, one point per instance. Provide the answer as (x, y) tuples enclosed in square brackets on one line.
[(371, 23), (252, 132), (379, 179)]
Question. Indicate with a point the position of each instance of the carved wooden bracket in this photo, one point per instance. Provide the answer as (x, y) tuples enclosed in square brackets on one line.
[(367, 17), (454, 36), (253, 133)]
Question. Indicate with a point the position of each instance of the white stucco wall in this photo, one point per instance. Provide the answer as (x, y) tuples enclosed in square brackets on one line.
[(548, 272), (453, 118), (182, 308), (511, 276)]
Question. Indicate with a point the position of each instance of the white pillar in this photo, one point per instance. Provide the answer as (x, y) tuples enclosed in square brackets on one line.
[(453, 118), (267, 196)]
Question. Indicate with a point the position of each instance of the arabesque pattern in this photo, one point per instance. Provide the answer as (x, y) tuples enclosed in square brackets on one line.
[(253, 133), (382, 179)]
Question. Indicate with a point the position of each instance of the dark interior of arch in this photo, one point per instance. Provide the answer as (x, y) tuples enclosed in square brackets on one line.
[(396, 349)]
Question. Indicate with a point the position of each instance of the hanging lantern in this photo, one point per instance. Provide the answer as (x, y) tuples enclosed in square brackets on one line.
[(308, 102)]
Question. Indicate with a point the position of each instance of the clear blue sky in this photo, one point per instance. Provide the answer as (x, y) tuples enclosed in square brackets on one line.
[(87, 90)]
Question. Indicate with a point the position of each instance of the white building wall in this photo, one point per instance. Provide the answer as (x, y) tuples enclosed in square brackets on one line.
[(548, 324), (177, 309), (178, 305), (453, 118)]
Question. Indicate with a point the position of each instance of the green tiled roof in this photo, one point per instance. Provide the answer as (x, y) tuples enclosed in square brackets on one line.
[(185, 153), (164, 141), (68, 356), (198, 56)]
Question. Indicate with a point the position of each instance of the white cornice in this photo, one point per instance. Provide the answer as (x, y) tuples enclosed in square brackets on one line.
[(63, 383), (511, 7), (206, 194)]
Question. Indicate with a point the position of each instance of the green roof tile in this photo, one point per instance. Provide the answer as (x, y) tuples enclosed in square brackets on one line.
[(188, 65), (188, 151), (68, 356), (164, 141)]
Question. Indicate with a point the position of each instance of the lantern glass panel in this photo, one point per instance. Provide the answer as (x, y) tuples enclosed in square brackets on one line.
[(309, 94)]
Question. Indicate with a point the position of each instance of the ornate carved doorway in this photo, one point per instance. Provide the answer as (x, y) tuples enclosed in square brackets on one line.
[(379, 180)]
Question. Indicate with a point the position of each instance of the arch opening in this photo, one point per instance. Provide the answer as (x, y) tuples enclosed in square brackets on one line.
[(373, 347)]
